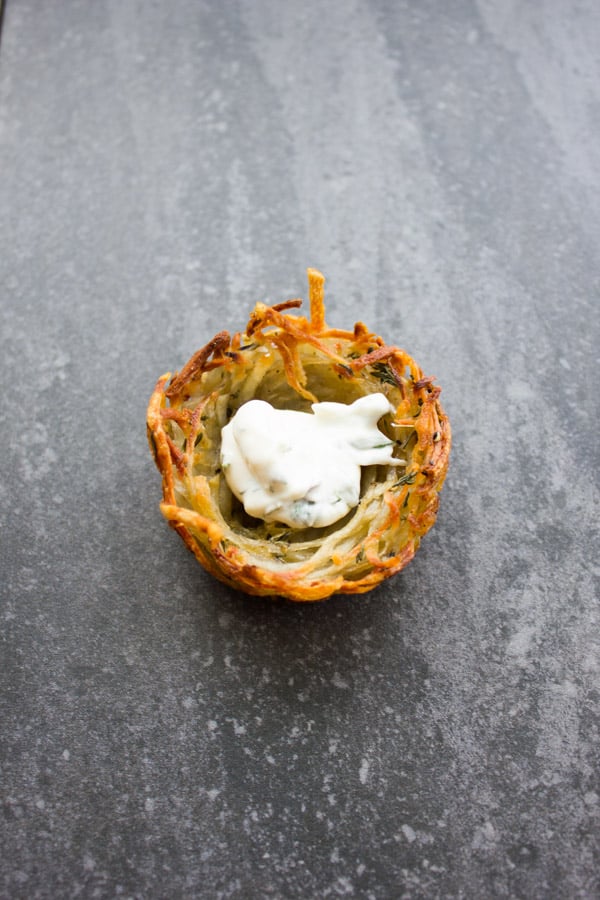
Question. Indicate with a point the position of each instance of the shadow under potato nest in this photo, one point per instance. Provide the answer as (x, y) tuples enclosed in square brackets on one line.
[(292, 362)]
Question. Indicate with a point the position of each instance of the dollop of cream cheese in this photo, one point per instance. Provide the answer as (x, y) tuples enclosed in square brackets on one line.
[(299, 468)]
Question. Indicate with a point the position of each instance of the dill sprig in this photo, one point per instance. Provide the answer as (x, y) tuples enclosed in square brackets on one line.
[(384, 373), (409, 478)]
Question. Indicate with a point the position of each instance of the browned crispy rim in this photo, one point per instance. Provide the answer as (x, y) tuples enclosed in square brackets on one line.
[(183, 407)]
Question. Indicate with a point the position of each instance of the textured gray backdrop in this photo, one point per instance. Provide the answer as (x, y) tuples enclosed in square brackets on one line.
[(163, 166)]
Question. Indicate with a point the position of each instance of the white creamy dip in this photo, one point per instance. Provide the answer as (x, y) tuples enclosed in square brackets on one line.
[(303, 469)]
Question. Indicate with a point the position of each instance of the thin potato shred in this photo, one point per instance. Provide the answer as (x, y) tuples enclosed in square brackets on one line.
[(291, 362)]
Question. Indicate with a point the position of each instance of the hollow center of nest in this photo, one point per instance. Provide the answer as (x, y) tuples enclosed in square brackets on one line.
[(304, 469)]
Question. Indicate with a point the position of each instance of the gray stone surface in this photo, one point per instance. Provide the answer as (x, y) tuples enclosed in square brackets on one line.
[(164, 166)]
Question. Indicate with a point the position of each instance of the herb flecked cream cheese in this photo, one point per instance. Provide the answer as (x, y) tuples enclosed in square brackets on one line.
[(302, 469)]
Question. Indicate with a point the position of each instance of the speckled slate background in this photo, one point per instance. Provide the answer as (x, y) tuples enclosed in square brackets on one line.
[(162, 167)]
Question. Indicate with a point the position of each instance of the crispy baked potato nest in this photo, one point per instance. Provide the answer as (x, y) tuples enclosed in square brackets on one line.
[(291, 361)]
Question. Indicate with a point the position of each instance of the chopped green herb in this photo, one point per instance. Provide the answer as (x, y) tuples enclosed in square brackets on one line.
[(409, 478), (383, 372)]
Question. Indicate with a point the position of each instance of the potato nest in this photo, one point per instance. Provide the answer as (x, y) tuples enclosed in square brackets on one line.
[(291, 362)]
